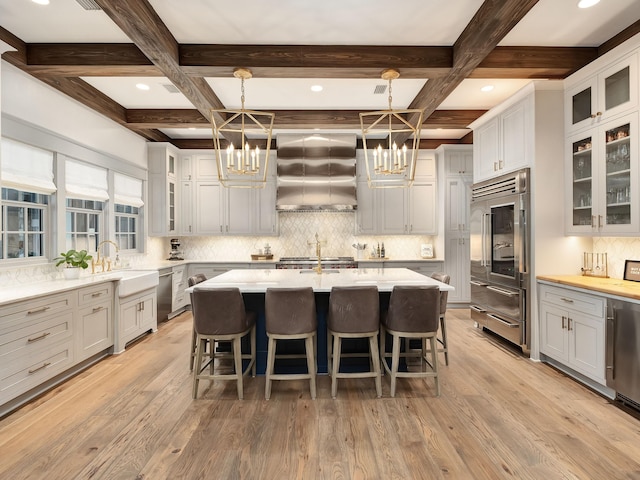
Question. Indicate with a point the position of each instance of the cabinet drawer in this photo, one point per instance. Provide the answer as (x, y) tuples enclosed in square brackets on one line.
[(96, 293), (576, 301), (17, 316), (35, 335), (29, 371)]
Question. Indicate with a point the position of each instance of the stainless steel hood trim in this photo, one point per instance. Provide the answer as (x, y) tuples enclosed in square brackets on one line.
[(316, 173)]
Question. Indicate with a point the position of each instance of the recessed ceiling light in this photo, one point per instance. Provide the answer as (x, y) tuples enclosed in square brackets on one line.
[(587, 3), (316, 88), (41, 2), (487, 88), (142, 86)]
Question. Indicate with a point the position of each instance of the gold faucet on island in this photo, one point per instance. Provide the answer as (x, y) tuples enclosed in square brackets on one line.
[(101, 261), (317, 243)]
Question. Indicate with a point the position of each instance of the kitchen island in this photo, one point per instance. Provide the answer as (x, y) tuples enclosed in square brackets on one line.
[(253, 284)]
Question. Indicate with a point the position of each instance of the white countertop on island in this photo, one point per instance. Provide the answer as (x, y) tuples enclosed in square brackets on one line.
[(258, 280)]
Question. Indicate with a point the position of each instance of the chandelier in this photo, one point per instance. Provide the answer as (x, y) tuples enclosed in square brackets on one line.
[(243, 164), (389, 164)]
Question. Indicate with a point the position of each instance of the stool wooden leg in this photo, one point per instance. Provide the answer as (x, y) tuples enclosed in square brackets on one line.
[(329, 351), (434, 356), (383, 349), (375, 364), (443, 327), (395, 361), (337, 347), (271, 353), (237, 360), (196, 371), (193, 350), (311, 364), (252, 346)]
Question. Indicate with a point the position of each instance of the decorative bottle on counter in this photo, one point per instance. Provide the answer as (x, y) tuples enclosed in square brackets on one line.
[(382, 251), (378, 251)]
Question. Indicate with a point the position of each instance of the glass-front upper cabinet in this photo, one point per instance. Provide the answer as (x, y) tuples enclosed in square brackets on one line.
[(604, 179), (602, 96)]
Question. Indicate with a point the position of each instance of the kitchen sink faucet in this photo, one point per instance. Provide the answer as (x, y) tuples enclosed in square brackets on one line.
[(101, 262), (318, 269)]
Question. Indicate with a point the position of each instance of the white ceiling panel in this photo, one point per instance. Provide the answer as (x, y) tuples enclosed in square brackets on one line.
[(469, 96), (560, 23), (61, 21), (324, 22), (295, 93), (124, 91)]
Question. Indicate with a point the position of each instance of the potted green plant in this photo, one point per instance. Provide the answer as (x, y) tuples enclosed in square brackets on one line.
[(74, 260)]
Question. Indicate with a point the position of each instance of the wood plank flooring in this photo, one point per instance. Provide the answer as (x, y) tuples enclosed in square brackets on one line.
[(500, 416)]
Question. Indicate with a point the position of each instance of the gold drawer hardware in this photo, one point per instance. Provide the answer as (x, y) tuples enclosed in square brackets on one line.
[(39, 337), (97, 309), (96, 294), (38, 310), (44, 365)]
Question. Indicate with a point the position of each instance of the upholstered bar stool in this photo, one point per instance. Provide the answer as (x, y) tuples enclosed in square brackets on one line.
[(354, 312), (194, 280), (290, 313), (442, 340), (413, 313), (219, 314)]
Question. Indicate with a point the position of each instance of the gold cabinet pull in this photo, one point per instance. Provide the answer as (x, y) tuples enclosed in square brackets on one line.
[(563, 319), (569, 324), (39, 337), (97, 309), (44, 365), (96, 294), (38, 310)]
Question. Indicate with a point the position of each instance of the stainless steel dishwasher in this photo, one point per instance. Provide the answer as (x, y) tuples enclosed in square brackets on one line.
[(165, 293), (623, 350)]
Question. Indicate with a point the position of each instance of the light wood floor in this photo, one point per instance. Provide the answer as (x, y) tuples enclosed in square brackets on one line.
[(499, 416)]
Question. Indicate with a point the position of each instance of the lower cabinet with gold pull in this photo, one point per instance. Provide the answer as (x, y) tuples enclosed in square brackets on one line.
[(95, 320), (572, 330)]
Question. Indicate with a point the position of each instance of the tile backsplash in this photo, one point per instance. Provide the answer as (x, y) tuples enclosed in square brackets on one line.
[(296, 239), (618, 250)]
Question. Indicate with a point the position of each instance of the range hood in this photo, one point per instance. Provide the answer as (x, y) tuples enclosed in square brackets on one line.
[(316, 172)]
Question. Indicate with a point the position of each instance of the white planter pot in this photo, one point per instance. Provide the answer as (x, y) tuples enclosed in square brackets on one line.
[(71, 273)]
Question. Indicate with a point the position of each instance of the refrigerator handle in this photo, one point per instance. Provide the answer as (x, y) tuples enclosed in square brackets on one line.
[(522, 260), (482, 248), (610, 370)]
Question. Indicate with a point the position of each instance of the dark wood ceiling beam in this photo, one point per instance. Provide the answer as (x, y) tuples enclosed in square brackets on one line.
[(491, 23), (273, 61), (315, 61), (623, 36), (89, 59), (191, 118), (139, 21), (19, 57), (534, 62)]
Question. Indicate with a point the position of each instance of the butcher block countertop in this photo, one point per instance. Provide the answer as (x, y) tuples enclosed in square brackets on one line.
[(610, 286)]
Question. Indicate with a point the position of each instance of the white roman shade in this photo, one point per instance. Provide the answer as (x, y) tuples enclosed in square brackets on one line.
[(127, 190), (85, 181), (26, 168)]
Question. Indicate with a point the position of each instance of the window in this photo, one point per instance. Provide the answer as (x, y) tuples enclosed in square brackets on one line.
[(84, 220), (23, 224), (26, 173), (86, 187), (128, 202), (127, 226)]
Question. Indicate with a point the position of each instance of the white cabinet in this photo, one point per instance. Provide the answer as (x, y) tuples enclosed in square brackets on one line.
[(208, 208), (163, 191), (602, 179), (572, 327), (458, 161), (179, 298), (396, 211), (94, 329), (426, 268), (502, 139), (36, 342), (602, 95), (137, 315)]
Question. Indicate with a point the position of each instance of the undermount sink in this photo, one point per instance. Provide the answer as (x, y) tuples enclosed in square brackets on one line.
[(323, 271), (134, 281)]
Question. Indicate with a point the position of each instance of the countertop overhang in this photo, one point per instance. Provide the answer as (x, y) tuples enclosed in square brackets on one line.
[(609, 286)]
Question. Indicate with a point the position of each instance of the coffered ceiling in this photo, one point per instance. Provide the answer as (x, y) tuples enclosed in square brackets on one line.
[(186, 51)]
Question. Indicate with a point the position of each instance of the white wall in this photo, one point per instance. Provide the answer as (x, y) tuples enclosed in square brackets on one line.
[(27, 99)]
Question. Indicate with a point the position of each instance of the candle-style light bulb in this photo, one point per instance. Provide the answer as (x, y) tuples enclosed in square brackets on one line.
[(258, 158)]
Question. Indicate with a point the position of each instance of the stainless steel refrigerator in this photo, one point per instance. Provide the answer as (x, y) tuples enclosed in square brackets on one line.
[(500, 239)]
